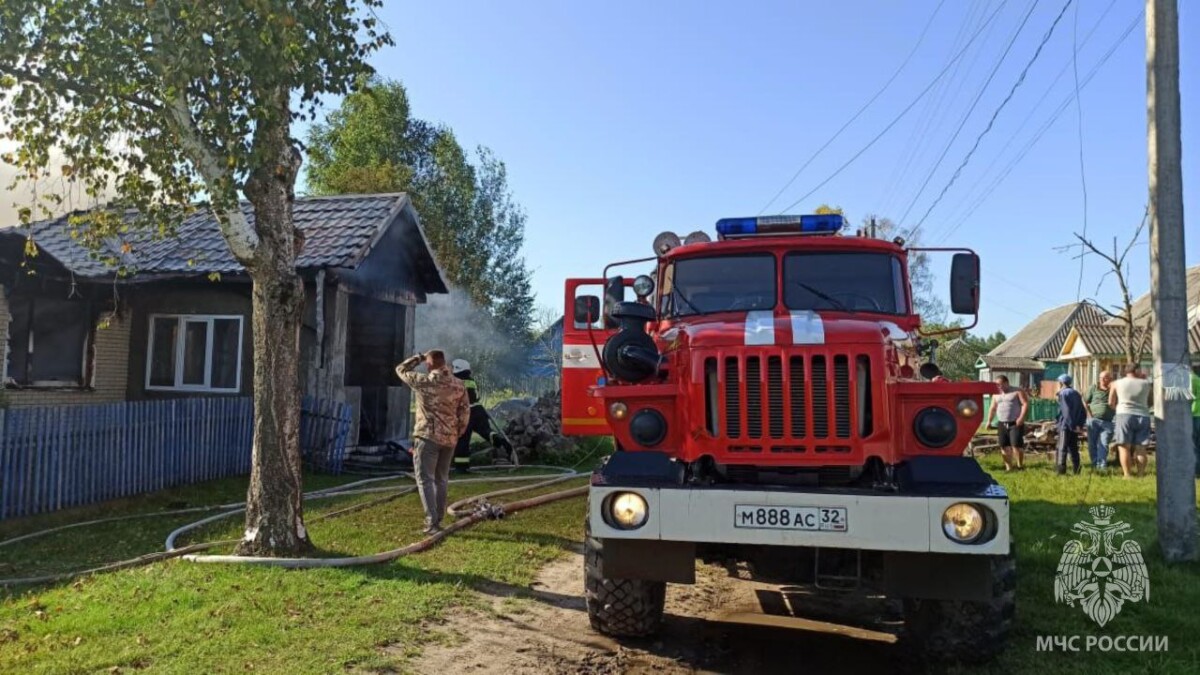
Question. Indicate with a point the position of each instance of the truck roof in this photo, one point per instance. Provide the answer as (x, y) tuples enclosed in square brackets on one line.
[(785, 242)]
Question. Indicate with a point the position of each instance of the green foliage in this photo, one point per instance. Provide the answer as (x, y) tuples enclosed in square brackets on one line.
[(167, 105), (960, 350), (372, 143), (926, 300)]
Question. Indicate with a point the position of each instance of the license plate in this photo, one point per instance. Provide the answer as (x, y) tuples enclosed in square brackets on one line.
[(806, 518)]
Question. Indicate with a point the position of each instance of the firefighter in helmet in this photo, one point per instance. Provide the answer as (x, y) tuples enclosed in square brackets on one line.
[(480, 422)]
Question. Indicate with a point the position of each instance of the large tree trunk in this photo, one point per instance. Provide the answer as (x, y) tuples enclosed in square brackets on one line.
[(274, 502)]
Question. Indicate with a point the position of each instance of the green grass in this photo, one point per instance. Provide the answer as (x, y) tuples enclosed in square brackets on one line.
[(181, 617), (1044, 506)]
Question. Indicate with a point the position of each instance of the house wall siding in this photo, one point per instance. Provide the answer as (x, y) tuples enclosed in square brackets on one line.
[(110, 365)]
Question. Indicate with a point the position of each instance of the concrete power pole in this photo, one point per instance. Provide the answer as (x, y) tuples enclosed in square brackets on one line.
[(1168, 286)]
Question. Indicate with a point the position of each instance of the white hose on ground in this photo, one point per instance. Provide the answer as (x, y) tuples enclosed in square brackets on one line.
[(456, 509)]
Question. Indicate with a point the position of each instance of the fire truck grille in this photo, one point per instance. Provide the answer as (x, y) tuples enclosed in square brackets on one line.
[(797, 397)]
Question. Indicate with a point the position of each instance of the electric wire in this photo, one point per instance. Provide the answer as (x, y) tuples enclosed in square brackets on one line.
[(1012, 41), (971, 193), (898, 117), (930, 110), (861, 110), (1024, 151), (991, 122), (1082, 171)]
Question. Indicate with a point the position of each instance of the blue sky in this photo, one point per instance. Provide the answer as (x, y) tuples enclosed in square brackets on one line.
[(619, 120)]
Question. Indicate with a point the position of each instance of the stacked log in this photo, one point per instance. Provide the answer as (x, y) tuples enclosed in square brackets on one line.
[(537, 431)]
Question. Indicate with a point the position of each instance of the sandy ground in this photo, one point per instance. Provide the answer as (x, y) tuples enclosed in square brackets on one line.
[(723, 624)]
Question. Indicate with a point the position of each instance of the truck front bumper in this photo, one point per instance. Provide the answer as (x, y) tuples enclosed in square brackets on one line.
[(874, 521)]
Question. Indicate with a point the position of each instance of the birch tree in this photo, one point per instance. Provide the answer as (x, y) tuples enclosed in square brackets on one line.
[(176, 105)]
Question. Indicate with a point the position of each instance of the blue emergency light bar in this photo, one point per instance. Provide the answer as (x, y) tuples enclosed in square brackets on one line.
[(826, 223)]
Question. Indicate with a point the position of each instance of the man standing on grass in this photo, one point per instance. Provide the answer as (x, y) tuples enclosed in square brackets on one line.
[(1100, 421), (442, 416), (1008, 409), (1130, 397), (1072, 417)]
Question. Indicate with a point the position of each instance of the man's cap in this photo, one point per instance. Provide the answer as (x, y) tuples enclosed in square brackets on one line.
[(460, 366), (1065, 379)]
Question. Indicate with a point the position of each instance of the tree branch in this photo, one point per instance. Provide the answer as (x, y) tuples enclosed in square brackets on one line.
[(77, 86)]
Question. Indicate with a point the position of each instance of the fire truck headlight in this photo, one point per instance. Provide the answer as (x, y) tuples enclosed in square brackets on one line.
[(935, 427), (648, 427), (626, 510), (618, 410), (643, 286), (965, 523), (967, 408)]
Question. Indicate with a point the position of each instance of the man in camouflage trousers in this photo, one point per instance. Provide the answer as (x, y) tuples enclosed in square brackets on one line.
[(442, 416)]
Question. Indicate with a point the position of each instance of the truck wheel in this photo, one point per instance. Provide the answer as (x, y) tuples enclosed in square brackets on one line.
[(620, 607), (961, 631)]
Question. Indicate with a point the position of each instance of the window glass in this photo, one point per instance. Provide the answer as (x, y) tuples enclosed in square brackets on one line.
[(729, 283), (225, 353), (162, 351), (846, 281), (195, 352)]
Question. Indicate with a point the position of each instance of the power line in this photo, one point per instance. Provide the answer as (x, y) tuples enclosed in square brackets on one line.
[(900, 116), (1044, 128), (992, 121), (933, 105), (971, 193), (970, 110), (1082, 173), (861, 110)]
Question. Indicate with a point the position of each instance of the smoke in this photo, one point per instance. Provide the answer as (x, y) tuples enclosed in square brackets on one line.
[(456, 325)]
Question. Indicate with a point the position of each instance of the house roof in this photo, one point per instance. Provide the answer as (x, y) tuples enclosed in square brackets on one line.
[(1109, 339), (1042, 338), (1142, 308), (1011, 363), (339, 232)]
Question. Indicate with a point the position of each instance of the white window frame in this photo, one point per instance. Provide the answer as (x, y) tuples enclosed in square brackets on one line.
[(181, 321)]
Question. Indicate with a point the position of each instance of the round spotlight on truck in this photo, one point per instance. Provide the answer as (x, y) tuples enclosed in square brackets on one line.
[(966, 523), (935, 427), (648, 427), (643, 286), (626, 510), (618, 410), (967, 408)]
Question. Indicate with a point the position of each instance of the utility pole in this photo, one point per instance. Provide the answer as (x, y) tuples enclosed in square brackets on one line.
[(1168, 286)]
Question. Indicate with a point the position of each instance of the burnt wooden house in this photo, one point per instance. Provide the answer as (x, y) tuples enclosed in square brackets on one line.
[(179, 323)]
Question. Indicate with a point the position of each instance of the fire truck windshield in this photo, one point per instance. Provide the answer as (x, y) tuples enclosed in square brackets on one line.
[(728, 283), (844, 280)]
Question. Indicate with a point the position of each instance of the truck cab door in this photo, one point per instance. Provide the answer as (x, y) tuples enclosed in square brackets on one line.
[(584, 334)]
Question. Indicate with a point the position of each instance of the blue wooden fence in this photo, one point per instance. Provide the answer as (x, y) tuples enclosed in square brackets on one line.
[(54, 458)]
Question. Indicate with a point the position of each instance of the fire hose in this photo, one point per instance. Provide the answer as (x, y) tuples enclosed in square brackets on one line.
[(468, 512)]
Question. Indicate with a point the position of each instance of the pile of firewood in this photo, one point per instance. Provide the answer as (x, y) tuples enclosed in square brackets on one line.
[(537, 431)]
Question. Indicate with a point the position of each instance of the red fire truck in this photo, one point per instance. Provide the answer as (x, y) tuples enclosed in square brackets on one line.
[(773, 402)]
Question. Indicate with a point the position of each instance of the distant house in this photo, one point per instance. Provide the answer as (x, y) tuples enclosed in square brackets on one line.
[(75, 332), (1032, 354), (1091, 349)]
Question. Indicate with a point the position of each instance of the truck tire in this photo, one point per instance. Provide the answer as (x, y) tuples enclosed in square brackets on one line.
[(962, 631), (620, 607)]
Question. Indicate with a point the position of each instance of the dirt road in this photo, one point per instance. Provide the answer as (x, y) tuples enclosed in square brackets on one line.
[(722, 624)]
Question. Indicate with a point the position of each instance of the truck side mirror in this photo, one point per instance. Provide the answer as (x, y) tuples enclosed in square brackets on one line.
[(614, 295), (587, 309), (964, 283)]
